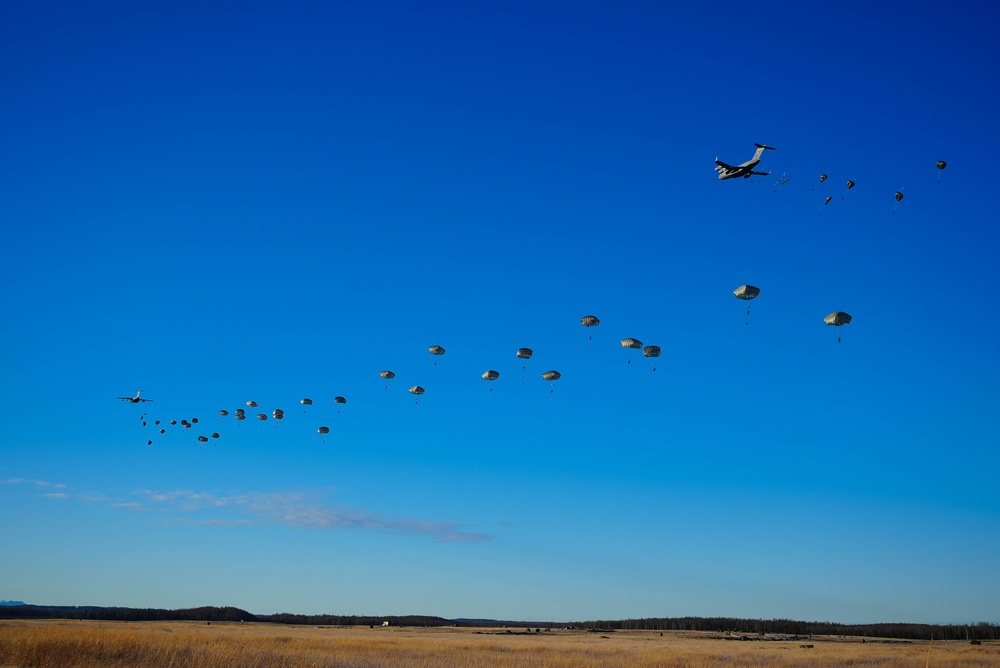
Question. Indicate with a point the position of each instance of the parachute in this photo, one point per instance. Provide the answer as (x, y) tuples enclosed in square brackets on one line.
[(850, 184), (215, 434), (525, 353), (416, 390), (252, 404), (262, 416), (278, 414), (323, 431), (173, 422), (590, 321), (194, 420), (941, 164), (163, 431), (899, 198), (746, 293), (223, 412), (436, 350), (339, 400), (551, 376), (651, 352), (822, 177), (387, 375), (631, 343), (837, 319), (491, 375), (203, 439), (306, 401)]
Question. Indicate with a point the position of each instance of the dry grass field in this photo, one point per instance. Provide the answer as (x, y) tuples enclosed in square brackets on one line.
[(62, 644)]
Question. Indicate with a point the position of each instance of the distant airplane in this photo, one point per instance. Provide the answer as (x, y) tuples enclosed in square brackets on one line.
[(745, 169), (136, 399)]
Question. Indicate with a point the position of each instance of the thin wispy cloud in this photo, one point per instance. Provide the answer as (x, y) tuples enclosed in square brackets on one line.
[(293, 509), (303, 511), (36, 483)]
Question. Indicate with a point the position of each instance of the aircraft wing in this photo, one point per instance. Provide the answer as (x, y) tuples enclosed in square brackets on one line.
[(760, 173), (722, 164), (124, 398), (145, 399)]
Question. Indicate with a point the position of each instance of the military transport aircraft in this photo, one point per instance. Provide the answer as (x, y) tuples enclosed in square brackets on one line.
[(136, 399), (744, 169)]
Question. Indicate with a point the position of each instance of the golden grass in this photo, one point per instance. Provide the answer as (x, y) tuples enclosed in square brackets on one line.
[(46, 643)]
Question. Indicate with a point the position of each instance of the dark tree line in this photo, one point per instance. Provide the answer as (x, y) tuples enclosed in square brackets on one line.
[(203, 614), (980, 631), (722, 625)]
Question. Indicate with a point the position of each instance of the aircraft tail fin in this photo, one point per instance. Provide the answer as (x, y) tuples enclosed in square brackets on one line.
[(770, 148)]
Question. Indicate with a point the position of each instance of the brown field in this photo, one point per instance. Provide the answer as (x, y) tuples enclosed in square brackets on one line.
[(45, 643)]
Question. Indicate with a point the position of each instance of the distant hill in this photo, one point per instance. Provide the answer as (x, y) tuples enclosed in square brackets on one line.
[(12, 603)]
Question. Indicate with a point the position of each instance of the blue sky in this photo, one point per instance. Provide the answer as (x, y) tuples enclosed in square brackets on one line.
[(223, 202)]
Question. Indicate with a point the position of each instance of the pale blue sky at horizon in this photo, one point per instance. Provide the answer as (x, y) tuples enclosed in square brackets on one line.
[(223, 202)]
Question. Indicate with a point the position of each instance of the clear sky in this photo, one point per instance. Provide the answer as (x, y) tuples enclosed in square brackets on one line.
[(223, 202)]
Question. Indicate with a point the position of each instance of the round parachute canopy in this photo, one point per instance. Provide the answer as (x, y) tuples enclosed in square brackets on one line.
[(278, 414), (941, 164), (156, 422), (241, 416), (306, 402), (215, 434), (631, 343), (252, 404), (388, 375), (203, 439), (185, 423), (491, 375), (416, 389), (240, 411), (651, 351), (551, 375), (746, 292), (173, 422), (590, 321), (850, 184), (261, 416), (822, 177), (827, 200), (339, 400), (436, 350), (194, 420), (163, 431), (525, 353), (899, 195), (323, 430), (223, 413), (837, 318), (149, 442)]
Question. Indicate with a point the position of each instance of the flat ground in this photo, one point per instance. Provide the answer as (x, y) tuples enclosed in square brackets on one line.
[(45, 643)]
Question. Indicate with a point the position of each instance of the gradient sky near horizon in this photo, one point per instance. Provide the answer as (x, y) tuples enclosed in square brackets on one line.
[(223, 202)]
